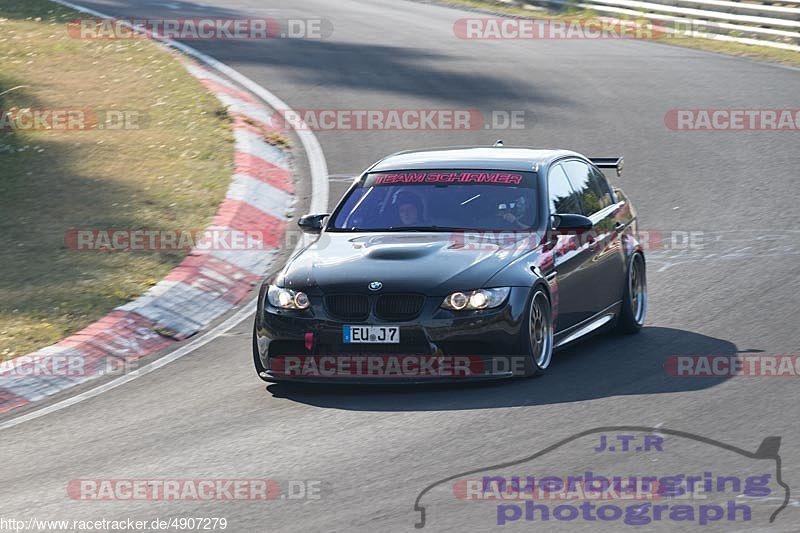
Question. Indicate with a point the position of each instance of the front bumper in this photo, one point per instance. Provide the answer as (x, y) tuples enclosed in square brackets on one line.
[(438, 345)]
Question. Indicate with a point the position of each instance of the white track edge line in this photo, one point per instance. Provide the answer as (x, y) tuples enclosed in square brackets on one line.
[(319, 203), (223, 328)]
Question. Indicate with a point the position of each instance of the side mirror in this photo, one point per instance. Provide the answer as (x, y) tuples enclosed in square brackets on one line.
[(312, 223), (571, 223)]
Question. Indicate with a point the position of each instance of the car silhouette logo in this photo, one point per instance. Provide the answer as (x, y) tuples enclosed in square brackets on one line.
[(375, 286)]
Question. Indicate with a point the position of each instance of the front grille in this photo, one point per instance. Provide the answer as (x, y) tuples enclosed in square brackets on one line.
[(348, 306), (399, 306)]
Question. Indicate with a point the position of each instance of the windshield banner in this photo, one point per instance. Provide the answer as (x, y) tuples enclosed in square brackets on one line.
[(426, 177)]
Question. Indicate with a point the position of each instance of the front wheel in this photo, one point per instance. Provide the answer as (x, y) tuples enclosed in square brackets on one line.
[(539, 334), (256, 354), (634, 300)]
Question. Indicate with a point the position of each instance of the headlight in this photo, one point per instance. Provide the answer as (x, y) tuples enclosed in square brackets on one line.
[(287, 298), (477, 299)]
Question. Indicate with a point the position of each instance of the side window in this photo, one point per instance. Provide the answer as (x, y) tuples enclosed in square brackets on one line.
[(601, 187), (562, 198), (594, 195)]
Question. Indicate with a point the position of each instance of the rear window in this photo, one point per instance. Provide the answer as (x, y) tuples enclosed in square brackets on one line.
[(440, 200)]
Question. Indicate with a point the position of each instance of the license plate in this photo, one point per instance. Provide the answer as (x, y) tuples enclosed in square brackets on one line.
[(371, 334)]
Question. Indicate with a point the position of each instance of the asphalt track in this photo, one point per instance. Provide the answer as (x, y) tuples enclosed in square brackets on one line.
[(208, 416)]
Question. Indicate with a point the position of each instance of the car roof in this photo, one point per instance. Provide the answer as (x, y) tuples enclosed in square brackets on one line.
[(472, 157)]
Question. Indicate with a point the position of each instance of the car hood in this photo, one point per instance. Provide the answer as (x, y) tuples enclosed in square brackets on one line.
[(430, 263)]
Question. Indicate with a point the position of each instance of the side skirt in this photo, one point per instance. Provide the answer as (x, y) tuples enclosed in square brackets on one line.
[(587, 326)]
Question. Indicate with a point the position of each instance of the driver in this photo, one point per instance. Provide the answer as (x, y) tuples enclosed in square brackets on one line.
[(513, 213), (409, 208)]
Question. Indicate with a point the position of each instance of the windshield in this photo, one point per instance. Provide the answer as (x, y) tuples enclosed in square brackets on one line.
[(433, 200)]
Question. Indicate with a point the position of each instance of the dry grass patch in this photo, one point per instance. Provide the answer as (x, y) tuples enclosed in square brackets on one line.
[(170, 172)]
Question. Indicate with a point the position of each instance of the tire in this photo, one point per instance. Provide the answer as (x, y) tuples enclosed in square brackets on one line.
[(538, 335), (256, 356), (634, 299)]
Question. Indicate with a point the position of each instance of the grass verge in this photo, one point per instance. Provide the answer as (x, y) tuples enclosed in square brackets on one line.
[(168, 167)]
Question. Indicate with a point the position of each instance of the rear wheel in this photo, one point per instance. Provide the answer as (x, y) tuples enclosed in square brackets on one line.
[(539, 334), (634, 300)]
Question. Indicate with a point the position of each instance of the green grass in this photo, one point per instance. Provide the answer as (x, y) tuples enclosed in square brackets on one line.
[(760, 53), (172, 172)]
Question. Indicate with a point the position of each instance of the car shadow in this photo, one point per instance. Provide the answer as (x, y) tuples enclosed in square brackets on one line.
[(597, 367)]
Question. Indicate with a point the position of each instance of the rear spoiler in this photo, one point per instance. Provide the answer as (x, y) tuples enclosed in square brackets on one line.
[(608, 162)]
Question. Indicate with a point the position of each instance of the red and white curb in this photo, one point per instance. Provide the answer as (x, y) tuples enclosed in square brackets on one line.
[(205, 285)]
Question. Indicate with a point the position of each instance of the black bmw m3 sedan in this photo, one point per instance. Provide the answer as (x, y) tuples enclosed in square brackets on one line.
[(458, 263)]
